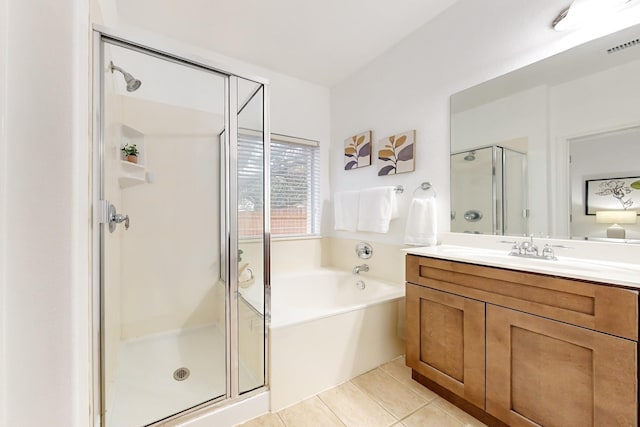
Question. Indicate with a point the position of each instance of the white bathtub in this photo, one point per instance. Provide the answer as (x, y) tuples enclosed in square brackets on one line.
[(325, 330)]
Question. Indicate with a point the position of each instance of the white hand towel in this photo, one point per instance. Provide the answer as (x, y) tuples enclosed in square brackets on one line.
[(421, 223), (345, 210), (377, 208)]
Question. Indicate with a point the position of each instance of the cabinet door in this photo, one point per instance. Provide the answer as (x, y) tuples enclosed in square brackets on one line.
[(445, 340), (544, 372)]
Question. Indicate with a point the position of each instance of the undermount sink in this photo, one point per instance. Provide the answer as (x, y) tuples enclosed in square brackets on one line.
[(505, 257), (482, 254), (467, 251)]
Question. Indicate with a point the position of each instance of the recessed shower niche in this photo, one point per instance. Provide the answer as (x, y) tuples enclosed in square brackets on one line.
[(131, 173), (175, 335)]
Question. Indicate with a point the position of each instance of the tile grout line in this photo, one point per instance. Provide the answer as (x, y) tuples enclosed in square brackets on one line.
[(420, 408), (434, 399), (454, 415), (327, 405), (284, 423), (373, 398), (407, 388), (331, 410), (427, 403), (403, 384)]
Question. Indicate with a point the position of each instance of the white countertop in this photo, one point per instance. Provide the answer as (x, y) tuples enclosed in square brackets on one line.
[(616, 273)]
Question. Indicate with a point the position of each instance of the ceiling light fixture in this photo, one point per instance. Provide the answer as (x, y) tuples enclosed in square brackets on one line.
[(583, 12)]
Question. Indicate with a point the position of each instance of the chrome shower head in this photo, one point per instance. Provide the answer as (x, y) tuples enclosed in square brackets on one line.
[(471, 156), (132, 83)]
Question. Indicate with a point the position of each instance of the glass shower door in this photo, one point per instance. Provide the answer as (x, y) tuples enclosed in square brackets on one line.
[(252, 201), (164, 314)]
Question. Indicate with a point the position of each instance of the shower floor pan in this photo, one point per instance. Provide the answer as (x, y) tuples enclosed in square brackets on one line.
[(144, 389)]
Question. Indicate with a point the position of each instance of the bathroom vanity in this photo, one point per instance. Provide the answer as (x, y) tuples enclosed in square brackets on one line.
[(522, 348)]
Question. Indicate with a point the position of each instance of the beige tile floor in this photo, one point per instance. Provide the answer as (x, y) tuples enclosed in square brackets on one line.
[(385, 396)]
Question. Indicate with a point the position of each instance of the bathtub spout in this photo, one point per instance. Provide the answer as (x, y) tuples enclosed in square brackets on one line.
[(358, 268)]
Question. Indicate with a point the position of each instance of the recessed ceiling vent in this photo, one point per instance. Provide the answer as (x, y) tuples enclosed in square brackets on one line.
[(624, 45)]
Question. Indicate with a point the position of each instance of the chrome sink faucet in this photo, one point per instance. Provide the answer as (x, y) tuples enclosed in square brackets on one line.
[(528, 247), (358, 268), (530, 250)]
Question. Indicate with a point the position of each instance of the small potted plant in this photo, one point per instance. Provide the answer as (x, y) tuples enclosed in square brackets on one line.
[(130, 153)]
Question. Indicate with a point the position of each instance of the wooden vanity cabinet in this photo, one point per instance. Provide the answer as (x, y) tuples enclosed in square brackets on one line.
[(524, 348), (549, 373), (446, 340)]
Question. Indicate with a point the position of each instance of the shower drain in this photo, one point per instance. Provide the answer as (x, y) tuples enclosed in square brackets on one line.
[(181, 374)]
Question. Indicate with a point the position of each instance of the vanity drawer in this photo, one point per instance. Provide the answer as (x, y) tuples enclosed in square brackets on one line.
[(591, 305)]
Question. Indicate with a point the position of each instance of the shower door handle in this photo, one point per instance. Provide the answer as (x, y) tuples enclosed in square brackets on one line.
[(115, 218)]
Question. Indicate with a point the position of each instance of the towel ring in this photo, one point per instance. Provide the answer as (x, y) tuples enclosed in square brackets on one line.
[(425, 186)]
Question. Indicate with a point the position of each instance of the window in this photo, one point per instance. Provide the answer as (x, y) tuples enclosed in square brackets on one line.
[(295, 186)]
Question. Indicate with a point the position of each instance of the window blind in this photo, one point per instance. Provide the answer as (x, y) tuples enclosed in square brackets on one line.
[(295, 186)]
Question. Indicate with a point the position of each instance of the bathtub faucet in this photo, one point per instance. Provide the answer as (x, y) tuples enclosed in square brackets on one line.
[(358, 268)]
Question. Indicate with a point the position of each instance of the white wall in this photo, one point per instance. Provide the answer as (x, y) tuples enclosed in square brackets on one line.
[(3, 197), (408, 87), (522, 114), (45, 170)]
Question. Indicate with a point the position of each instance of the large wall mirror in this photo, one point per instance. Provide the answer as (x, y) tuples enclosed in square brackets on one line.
[(540, 150)]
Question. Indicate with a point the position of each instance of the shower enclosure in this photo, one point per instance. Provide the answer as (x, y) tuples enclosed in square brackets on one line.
[(181, 273), (489, 191)]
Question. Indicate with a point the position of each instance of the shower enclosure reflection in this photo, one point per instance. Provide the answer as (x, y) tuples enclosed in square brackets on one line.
[(170, 316), (488, 191)]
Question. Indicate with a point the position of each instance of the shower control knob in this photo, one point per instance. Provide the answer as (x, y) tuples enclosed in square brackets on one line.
[(114, 218), (473, 215), (120, 218), (364, 250)]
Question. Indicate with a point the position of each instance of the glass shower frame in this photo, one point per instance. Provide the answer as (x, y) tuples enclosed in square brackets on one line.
[(230, 220)]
